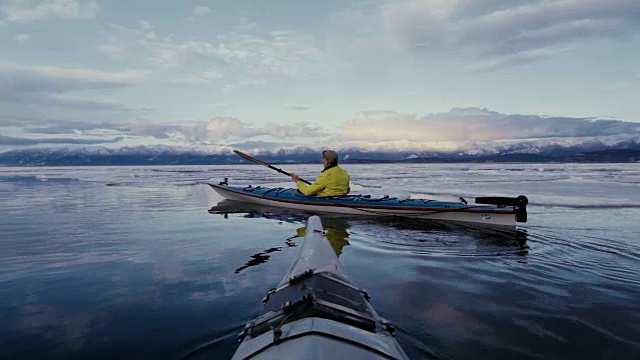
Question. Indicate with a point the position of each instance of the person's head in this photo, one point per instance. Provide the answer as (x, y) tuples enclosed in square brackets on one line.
[(329, 157)]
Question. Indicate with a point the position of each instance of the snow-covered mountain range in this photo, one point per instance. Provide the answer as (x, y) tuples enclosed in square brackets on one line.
[(617, 148)]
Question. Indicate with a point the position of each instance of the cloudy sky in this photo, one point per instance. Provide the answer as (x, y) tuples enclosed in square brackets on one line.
[(320, 73)]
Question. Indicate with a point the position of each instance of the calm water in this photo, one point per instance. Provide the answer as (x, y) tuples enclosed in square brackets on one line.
[(128, 263)]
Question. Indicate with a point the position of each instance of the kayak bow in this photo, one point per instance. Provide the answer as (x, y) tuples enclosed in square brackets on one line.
[(316, 312)]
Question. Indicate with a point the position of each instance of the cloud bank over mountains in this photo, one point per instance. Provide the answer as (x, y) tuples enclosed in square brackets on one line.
[(464, 131), (475, 124), (368, 128), (215, 131)]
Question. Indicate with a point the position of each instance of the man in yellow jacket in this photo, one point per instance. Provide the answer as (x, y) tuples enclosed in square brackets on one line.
[(333, 180)]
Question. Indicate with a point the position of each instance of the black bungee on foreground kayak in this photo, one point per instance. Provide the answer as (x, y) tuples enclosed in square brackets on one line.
[(316, 312)]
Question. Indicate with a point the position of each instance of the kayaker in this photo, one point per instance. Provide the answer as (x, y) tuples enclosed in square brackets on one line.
[(332, 181)]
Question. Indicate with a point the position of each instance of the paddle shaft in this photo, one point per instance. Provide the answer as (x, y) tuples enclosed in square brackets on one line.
[(266, 164)]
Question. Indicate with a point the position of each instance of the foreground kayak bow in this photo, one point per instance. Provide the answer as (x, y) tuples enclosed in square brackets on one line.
[(316, 312)]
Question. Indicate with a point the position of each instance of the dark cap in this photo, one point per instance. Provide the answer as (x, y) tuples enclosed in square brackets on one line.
[(330, 155)]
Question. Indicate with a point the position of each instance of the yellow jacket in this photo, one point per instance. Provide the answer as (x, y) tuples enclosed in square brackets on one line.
[(331, 182)]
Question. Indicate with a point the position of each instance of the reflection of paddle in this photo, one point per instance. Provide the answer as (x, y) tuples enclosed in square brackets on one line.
[(266, 164)]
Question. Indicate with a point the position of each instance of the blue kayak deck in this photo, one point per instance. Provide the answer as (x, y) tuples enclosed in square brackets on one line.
[(293, 196)]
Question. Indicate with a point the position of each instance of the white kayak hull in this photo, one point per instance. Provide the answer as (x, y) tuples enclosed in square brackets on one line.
[(488, 215)]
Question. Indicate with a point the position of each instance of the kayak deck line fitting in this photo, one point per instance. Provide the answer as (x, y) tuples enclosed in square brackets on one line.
[(488, 210)]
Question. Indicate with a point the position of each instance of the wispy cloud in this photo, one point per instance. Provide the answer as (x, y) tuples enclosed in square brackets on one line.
[(521, 58), (245, 25), (23, 38), (65, 127), (298, 107), (15, 141), (245, 57), (202, 11), (499, 28), (217, 105), (21, 11), (243, 84), (282, 54), (205, 77), (21, 78), (113, 50)]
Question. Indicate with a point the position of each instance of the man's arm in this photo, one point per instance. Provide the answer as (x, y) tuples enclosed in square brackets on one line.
[(316, 187)]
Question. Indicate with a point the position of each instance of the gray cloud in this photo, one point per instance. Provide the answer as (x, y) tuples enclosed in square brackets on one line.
[(298, 107), (19, 11), (218, 129), (221, 129), (45, 108), (48, 103), (43, 92), (70, 127), (474, 124), (14, 122), (14, 141), (262, 145), (138, 127), (45, 79), (22, 38), (113, 50), (504, 28), (525, 57), (202, 11), (190, 131)]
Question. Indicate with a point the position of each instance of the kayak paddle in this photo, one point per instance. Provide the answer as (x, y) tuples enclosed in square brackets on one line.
[(266, 164)]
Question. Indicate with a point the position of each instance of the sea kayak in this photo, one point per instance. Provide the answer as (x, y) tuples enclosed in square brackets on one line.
[(502, 211), (316, 312)]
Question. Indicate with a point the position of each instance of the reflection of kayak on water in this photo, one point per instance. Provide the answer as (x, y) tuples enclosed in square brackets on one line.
[(500, 236), (316, 312), (337, 237)]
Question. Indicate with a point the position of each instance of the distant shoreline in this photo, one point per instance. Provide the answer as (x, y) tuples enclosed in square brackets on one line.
[(43, 158), (312, 163)]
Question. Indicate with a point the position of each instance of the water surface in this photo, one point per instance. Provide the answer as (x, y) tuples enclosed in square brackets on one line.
[(127, 262)]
